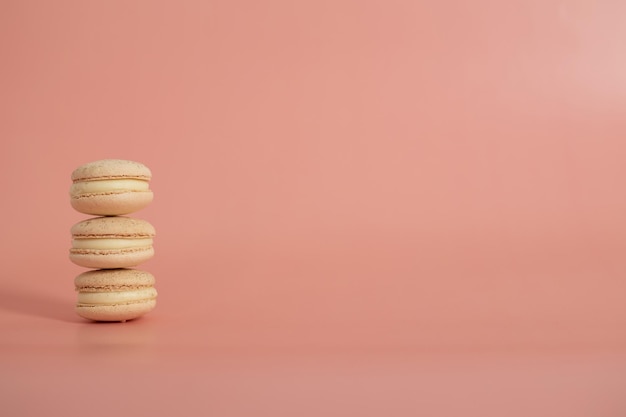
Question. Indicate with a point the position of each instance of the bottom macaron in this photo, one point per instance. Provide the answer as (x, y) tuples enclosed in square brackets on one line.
[(115, 294)]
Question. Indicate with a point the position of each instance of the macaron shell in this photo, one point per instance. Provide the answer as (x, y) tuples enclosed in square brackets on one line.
[(112, 227), (113, 280), (121, 312), (111, 168), (112, 204), (111, 259)]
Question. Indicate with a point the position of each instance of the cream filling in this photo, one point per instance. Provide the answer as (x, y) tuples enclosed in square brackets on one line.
[(121, 297), (110, 244), (104, 186)]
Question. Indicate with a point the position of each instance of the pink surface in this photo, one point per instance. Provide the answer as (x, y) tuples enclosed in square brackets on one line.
[(362, 208)]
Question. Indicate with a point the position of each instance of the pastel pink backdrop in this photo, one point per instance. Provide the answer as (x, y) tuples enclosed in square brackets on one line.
[(330, 176)]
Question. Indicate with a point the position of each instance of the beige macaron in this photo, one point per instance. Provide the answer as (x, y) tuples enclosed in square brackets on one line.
[(110, 187), (111, 242), (115, 294)]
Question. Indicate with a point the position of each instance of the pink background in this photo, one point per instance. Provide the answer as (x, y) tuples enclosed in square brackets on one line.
[(362, 207)]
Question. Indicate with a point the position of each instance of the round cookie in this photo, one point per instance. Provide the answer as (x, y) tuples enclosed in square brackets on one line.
[(110, 187), (111, 242), (115, 294)]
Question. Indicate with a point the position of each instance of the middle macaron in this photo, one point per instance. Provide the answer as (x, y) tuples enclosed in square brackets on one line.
[(111, 242)]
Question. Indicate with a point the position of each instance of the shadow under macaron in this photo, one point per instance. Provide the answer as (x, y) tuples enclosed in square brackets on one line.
[(37, 304)]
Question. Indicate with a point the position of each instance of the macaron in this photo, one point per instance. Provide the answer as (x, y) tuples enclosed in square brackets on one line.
[(115, 294), (111, 242), (110, 187)]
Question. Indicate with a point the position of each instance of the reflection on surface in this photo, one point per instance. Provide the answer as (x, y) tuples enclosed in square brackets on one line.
[(130, 339)]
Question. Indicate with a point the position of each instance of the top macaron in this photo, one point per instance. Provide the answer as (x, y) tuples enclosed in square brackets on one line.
[(110, 187)]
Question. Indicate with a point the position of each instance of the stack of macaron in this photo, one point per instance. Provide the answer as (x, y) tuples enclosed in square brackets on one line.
[(112, 244)]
